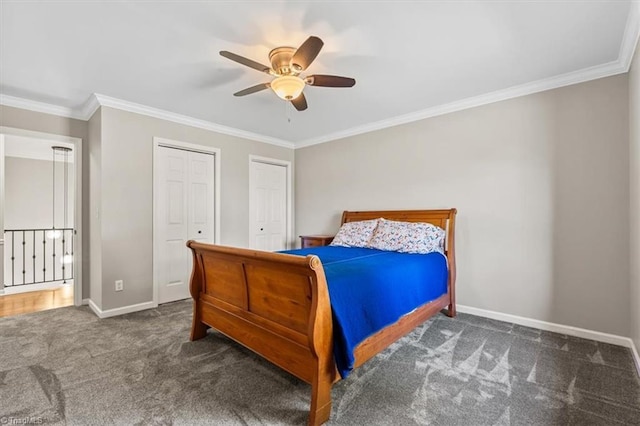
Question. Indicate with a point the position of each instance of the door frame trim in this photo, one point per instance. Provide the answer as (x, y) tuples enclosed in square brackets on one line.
[(77, 218), (159, 142), (2, 171), (289, 191)]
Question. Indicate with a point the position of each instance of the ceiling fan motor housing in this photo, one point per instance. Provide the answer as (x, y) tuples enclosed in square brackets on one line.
[(280, 58)]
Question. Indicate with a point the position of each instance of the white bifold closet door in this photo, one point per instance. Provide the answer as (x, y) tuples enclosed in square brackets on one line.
[(184, 211), (268, 206)]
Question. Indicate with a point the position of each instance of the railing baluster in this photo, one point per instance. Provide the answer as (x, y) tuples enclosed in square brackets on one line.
[(13, 259), (54, 256), (44, 255), (64, 281), (24, 268), (31, 235), (73, 259), (33, 250)]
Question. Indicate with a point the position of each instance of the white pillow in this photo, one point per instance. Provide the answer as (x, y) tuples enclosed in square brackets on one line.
[(355, 234), (408, 237)]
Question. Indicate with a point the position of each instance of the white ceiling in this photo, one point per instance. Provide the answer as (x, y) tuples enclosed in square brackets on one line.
[(407, 57)]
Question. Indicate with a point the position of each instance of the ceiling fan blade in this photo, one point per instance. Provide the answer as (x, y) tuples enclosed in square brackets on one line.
[(245, 61), (253, 89), (330, 81), (306, 53), (300, 103)]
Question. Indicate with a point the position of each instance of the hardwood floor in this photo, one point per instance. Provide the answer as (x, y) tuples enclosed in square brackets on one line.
[(34, 301)]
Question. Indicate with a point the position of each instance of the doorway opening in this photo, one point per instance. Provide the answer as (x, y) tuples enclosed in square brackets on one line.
[(40, 221)]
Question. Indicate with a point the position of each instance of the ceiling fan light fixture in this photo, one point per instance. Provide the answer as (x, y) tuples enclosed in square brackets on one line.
[(288, 87), (286, 65)]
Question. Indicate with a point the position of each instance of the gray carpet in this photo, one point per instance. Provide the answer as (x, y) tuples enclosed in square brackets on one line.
[(66, 366)]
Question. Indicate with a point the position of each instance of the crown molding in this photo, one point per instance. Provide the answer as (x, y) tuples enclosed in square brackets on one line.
[(186, 120), (15, 102), (96, 100), (581, 76), (630, 36), (628, 45), (90, 107)]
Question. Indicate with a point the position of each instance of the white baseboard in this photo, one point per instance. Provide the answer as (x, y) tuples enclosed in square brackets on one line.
[(549, 326), (557, 328), (636, 356), (85, 302), (120, 311)]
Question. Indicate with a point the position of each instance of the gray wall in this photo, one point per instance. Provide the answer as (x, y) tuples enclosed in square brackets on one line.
[(46, 123), (634, 138), (542, 187), (126, 204), (28, 194)]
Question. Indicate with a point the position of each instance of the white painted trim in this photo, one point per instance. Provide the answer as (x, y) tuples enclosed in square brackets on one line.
[(619, 66), (38, 135), (120, 311), (548, 326), (217, 161), (557, 328), (29, 151), (77, 248), (2, 169), (587, 74), (189, 121), (630, 36), (45, 108), (289, 168), (97, 100), (636, 356), (85, 302), (90, 107)]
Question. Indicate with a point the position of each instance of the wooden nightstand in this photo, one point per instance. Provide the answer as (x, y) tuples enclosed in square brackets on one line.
[(315, 240)]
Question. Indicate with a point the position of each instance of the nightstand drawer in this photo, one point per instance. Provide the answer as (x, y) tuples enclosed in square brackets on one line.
[(315, 240)]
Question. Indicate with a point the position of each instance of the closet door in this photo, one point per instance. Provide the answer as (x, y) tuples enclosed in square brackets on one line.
[(268, 206), (201, 202), (184, 210)]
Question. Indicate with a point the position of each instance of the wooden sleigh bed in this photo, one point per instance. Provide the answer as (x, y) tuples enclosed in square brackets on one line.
[(278, 305)]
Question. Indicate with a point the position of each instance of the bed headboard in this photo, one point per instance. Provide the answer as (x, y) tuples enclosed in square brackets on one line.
[(445, 219), (435, 217)]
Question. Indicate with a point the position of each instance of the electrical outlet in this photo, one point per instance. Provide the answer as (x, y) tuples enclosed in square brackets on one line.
[(119, 285)]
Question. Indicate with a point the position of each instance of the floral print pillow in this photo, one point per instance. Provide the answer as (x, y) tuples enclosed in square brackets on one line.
[(355, 234), (408, 237)]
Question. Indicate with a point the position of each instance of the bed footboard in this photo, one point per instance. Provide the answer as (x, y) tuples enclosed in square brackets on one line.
[(274, 304)]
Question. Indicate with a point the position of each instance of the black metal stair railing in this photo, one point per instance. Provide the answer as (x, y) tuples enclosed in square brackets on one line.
[(36, 256)]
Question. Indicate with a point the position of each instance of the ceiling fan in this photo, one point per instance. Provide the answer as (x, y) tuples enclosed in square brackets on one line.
[(287, 63)]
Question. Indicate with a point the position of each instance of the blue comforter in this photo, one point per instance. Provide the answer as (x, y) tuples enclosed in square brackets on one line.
[(370, 289)]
